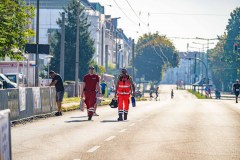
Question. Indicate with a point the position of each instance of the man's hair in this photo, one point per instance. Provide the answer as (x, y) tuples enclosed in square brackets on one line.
[(51, 72)]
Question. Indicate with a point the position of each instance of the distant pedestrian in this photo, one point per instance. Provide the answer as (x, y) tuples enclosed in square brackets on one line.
[(236, 88), (156, 92), (103, 87), (58, 83), (150, 94), (91, 85), (172, 94)]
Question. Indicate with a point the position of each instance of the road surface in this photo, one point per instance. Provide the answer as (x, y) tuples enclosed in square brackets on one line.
[(182, 128)]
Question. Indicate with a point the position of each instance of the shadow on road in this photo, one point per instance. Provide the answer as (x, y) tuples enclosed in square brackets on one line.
[(74, 121), (107, 121), (80, 117)]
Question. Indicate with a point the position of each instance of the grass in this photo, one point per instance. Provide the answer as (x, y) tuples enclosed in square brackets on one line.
[(141, 99), (77, 100), (198, 95), (71, 100)]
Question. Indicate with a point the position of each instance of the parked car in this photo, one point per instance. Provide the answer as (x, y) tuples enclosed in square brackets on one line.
[(1, 85), (17, 78), (6, 82)]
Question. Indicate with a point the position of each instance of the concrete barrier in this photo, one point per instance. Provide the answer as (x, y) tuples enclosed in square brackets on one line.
[(5, 136), (28, 102)]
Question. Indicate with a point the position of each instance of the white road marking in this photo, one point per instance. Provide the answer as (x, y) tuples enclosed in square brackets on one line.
[(110, 138), (140, 120), (123, 130), (132, 124), (93, 149)]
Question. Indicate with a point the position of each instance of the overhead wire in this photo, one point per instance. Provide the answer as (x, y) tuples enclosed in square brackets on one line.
[(135, 13), (124, 13)]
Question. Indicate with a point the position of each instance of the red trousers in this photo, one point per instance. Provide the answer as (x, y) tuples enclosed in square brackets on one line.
[(123, 103), (90, 101)]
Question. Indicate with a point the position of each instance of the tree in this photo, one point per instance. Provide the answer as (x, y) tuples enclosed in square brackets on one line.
[(221, 71), (86, 50), (233, 36), (14, 19), (155, 54)]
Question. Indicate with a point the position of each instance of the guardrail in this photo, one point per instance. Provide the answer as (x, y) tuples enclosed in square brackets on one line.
[(28, 102)]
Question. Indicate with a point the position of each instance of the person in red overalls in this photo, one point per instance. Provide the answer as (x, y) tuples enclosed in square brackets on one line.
[(90, 86), (124, 88)]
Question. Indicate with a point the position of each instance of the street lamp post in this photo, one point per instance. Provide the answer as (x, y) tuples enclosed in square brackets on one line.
[(202, 63), (37, 42), (77, 52), (208, 43)]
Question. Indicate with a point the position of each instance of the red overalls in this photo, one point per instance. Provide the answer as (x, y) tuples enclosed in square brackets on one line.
[(124, 90)]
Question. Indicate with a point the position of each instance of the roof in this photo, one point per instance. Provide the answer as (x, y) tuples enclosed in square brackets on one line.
[(55, 4)]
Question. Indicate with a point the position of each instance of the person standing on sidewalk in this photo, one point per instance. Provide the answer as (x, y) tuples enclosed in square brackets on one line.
[(236, 88), (58, 83), (124, 88), (90, 86), (103, 87)]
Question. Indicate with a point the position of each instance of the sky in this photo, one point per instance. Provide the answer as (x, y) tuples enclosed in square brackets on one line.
[(177, 19)]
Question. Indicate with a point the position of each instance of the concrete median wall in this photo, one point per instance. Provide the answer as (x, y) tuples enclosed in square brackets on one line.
[(28, 102)]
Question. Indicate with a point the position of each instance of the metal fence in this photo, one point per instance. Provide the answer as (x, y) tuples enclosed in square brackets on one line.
[(28, 102)]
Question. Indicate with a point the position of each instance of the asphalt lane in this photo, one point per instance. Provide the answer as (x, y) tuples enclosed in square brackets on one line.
[(179, 128)]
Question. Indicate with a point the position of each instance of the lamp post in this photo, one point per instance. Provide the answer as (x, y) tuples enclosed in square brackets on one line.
[(202, 63), (208, 43), (204, 45), (37, 42), (77, 51)]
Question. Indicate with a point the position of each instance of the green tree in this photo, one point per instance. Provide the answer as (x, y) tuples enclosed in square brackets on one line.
[(155, 54), (14, 19), (233, 36), (221, 71), (86, 50)]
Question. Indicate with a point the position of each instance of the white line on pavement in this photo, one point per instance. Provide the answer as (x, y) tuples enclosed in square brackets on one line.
[(140, 120), (93, 149), (132, 124), (123, 130), (110, 138)]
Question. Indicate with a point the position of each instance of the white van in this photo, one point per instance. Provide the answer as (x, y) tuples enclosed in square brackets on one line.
[(17, 78), (9, 84)]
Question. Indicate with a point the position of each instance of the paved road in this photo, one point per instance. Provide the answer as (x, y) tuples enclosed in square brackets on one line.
[(180, 129)]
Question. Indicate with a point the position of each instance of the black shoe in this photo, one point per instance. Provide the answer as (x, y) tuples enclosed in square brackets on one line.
[(236, 101), (57, 114), (125, 116), (120, 117), (60, 113), (89, 118)]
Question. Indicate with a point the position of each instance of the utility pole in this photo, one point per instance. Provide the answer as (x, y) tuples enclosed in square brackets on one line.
[(106, 58), (37, 42), (77, 52), (117, 65), (195, 70), (102, 46), (133, 60), (207, 52), (62, 47)]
